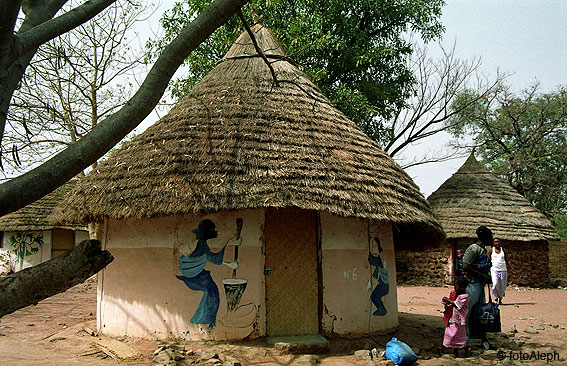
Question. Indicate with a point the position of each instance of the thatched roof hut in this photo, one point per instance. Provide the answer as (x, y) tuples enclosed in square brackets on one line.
[(35, 216), (30, 233), (316, 203), (473, 196), (237, 141)]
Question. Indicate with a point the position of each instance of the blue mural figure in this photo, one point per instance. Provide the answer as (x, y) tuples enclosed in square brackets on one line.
[(381, 274), (196, 277)]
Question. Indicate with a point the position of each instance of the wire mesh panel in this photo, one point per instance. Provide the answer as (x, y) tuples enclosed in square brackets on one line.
[(291, 272)]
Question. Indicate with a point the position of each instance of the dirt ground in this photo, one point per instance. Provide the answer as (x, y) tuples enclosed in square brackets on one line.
[(52, 334)]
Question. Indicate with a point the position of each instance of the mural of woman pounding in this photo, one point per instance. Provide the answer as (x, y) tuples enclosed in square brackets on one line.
[(196, 277), (381, 274)]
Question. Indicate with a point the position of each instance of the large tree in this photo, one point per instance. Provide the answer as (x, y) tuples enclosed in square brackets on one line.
[(19, 42), (355, 51), (523, 138), (73, 82)]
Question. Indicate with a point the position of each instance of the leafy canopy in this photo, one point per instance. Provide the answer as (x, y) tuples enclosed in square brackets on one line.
[(354, 51), (522, 138)]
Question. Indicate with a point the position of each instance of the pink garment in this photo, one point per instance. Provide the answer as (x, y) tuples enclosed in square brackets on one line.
[(456, 331)]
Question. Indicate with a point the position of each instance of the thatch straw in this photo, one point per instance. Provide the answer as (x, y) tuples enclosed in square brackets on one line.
[(473, 196), (35, 216), (237, 141)]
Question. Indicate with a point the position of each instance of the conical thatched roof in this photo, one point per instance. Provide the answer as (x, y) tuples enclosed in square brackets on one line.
[(34, 217), (237, 141), (473, 196)]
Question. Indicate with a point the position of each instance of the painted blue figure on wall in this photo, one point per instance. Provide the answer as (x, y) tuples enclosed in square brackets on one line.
[(381, 274), (196, 277)]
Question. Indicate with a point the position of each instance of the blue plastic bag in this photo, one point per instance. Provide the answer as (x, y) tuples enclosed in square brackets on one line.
[(399, 352)]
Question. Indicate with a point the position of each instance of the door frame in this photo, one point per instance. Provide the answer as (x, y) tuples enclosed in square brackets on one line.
[(319, 267)]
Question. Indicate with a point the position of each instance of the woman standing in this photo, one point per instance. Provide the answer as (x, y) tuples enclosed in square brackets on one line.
[(196, 277), (499, 271)]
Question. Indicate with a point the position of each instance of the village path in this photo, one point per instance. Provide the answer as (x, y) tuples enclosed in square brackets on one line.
[(51, 334)]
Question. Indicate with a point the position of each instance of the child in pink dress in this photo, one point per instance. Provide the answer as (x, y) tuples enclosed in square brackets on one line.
[(456, 332)]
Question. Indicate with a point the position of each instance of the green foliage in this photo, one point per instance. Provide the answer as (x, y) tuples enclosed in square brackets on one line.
[(560, 223), (353, 50), (523, 139)]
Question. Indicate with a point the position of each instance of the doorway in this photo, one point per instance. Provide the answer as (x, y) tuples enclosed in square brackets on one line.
[(292, 280)]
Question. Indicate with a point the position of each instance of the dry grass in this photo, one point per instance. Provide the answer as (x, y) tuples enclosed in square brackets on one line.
[(34, 217), (237, 141), (473, 196)]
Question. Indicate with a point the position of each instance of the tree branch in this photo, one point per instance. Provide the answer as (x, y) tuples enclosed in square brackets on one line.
[(50, 29), (11, 73), (31, 285), (38, 182), (257, 47), (8, 17)]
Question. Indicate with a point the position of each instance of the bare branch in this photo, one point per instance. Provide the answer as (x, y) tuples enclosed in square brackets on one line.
[(50, 29)]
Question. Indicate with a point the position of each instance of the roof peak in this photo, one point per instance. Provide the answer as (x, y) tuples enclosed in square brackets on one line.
[(472, 166), (243, 46)]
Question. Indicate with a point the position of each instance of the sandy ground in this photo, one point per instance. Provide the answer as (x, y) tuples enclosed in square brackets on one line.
[(52, 334)]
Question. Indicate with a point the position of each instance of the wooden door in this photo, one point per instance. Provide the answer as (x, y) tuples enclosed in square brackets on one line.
[(62, 241), (292, 286)]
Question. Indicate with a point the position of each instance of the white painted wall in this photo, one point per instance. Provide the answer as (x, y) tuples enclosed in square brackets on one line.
[(346, 272), (139, 295), (41, 256), (44, 253)]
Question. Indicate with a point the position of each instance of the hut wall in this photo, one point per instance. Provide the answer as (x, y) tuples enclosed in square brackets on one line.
[(81, 235), (558, 259), (426, 268), (347, 308), (41, 240), (140, 295), (529, 262)]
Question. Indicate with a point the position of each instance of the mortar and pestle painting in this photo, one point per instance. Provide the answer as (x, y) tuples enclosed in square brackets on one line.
[(234, 287), (238, 315)]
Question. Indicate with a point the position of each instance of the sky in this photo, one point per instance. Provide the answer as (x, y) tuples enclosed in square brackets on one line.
[(526, 38)]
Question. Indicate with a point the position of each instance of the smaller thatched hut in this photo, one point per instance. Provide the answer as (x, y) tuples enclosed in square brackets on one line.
[(472, 197), (27, 237)]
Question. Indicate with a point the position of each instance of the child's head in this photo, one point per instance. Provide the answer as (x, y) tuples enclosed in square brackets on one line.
[(460, 253), (461, 284)]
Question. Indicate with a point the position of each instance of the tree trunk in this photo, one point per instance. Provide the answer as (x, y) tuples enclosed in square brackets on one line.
[(36, 283)]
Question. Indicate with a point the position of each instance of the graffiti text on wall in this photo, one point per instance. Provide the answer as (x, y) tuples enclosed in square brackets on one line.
[(25, 244), (351, 274)]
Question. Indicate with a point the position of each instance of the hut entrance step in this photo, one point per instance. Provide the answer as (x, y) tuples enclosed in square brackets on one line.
[(292, 296), (311, 343)]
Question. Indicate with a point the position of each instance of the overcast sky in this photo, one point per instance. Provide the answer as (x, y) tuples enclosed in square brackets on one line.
[(527, 38)]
